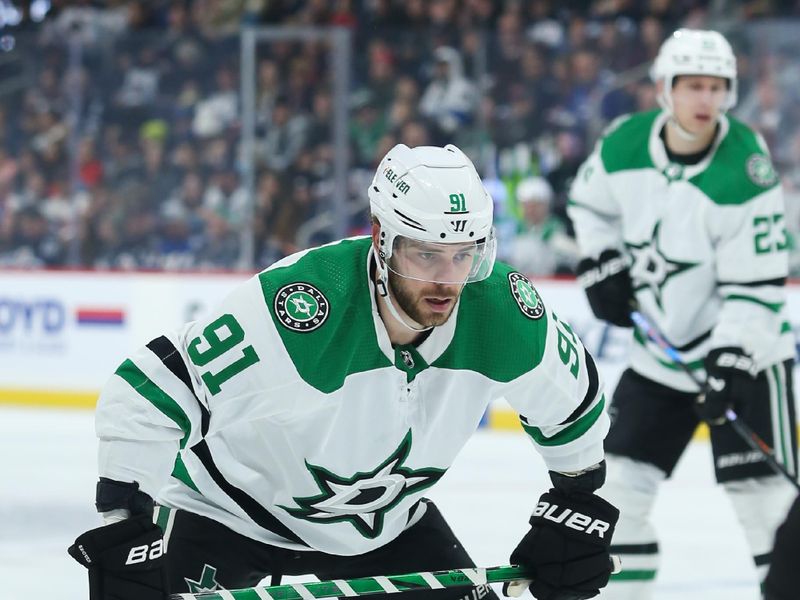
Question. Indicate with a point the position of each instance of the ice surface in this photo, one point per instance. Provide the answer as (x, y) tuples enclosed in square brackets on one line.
[(47, 463)]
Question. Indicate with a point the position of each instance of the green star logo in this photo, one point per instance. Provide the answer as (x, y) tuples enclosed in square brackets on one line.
[(364, 498), (207, 583), (760, 170), (301, 307), (651, 268)]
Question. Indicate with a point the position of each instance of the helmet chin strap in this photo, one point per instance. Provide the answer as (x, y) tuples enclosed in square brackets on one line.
[(382, 286), (686, 135), (666, 104)]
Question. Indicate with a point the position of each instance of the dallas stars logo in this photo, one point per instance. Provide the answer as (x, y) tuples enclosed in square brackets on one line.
[(652, 268), (525, 295), (760, 170), (364, 499), (301, 307), (207, 583)]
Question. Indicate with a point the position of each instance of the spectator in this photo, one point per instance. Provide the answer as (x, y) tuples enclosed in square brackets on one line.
[(226, 198), (368, 126), (542, 246), (168, 69), (450, 99), (34, 245), (285, 137), (220, 110)]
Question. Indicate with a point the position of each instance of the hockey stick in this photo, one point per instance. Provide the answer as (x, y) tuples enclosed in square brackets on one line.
[(745, 432), (365, 586)]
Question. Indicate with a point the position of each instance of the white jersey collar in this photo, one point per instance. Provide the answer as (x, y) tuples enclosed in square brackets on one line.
[(658, 152)]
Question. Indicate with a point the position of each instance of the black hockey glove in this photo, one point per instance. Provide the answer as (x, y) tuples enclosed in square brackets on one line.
[(607, 283), (567, 547), (727, 369), (125, 560)]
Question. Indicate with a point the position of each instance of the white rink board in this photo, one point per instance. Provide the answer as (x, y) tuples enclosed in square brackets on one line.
[(40, 330), (44, 347)]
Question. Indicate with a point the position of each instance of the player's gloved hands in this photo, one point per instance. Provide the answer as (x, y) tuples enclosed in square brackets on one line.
[(125, 560), (726, 369), (607, 283), (567, 547)]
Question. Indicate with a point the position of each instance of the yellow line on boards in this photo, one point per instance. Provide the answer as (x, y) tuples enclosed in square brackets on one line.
[(509, 421), (48, 398)]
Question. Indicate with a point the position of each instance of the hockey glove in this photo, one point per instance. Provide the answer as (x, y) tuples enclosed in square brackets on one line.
[(607, 283), (567, 547), (726, 370), (125, 560)]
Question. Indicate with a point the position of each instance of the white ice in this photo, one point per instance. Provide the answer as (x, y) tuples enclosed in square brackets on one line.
[(47, 466)]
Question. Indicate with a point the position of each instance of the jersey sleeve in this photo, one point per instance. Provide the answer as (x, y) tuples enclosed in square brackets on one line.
[(561, 403), (751, 247), (156, 404), (148, 411), (595, 214)]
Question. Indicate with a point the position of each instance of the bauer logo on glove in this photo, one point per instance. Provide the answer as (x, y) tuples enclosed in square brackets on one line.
[(572, 519)]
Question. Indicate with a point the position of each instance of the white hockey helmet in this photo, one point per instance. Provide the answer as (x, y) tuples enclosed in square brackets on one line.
[(433, 197), (695, 52)]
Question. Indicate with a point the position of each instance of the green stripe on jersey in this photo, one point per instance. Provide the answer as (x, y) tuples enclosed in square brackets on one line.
[(625, 147), (640, 339), (493, 336), (180, 473), (156, 396), (730, 178), (346, 343), (774, 307), (162, 518), (569, 433), (785, 445)]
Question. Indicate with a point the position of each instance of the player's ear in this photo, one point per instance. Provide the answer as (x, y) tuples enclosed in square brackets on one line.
[(376, 231)]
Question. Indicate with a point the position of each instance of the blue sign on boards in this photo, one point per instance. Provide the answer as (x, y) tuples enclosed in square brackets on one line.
[(46, 316)]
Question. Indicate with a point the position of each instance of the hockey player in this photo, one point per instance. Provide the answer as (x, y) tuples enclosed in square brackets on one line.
[(296, 429), (679, 212)]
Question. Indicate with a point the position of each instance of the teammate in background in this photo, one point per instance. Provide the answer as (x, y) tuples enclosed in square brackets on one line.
[(680, 213), (296, 429), (781, 581)]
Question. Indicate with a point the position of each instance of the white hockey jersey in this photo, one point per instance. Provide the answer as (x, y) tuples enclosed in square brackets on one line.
[(707, 242), (288, 416)]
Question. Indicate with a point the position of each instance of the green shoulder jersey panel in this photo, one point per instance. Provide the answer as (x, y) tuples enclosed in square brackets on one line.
[(499, 333), (322, 310), (740, 169), (625, 146)]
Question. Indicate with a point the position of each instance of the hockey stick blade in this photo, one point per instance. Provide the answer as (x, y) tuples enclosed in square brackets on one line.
[(750, 437), (365, 586)]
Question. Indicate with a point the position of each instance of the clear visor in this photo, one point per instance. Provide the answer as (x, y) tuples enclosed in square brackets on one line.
[(433, 262)]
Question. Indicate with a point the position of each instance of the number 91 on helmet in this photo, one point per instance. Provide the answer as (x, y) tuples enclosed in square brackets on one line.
[(435, 216)]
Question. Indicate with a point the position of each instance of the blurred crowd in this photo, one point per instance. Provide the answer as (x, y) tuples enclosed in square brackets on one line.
[(121, 122)]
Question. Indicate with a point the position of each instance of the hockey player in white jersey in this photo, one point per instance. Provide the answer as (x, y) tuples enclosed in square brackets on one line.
[(679, 212), (296, 429)]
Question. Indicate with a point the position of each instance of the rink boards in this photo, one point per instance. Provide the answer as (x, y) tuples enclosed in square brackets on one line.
[(63, 333)]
